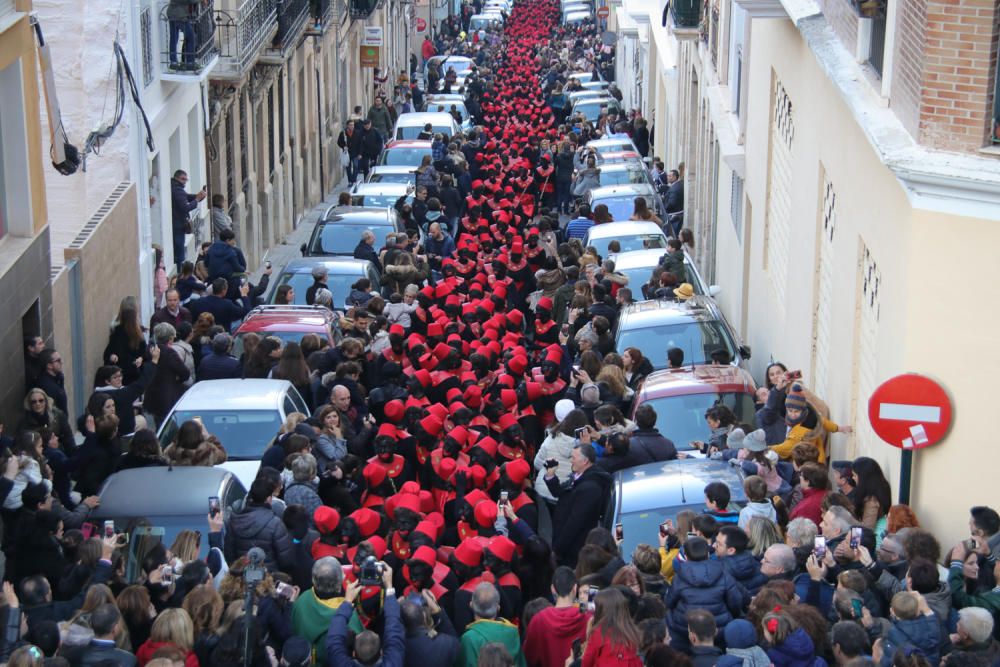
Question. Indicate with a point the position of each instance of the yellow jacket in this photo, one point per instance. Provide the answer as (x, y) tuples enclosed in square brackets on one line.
[(667, 563), (814, 436)]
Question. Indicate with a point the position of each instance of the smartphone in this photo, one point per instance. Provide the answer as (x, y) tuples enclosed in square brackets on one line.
[(167, 575), (970, 545), (285, 590), (819, 547), (855, 536), (690, 535), (213, 505), (619, 532), (664, 531), (592, 593), (109, 528), (579, 431), (504, 497), (577, 649), (857, 607)]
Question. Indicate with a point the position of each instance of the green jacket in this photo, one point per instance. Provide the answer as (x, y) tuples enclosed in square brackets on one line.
[(485, 631), (960, 599), (311, 619), (674, 263)]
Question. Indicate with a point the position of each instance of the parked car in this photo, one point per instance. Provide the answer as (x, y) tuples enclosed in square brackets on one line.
[(630, 234), (444, 103), (575, 18), (631, 172), (340, 229), (342, 273), (288, 323), (380, 195), (387, 174), (410, 125), (638, 265), (484, 22), (681, 397), (696, 326), (244, 415), (619, 157), (166, 499), (645, 496), (591, 107), (584, 77), (614, 144), (620, 199), (405, 153)]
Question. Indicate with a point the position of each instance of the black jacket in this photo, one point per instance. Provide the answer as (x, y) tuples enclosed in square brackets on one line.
[(745, 569), (581, 503), (704, 585), (223, 310), (635, 456), (181, 205), (423, 650), (54, 386), (219, 367), (167, 384), (371, 144), (96, 654), (63, 611), (656, 447), (365, 251), (259, 526)]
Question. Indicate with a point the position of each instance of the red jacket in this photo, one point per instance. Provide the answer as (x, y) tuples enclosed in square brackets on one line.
[(809, 506), (549, 639), (603, 653), (149, 647), (427, 49)]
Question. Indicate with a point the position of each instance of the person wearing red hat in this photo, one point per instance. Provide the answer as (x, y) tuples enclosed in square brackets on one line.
[(513, 480), (327, 521), (498, 559), (467, 563), (546, 329), (396, 469)]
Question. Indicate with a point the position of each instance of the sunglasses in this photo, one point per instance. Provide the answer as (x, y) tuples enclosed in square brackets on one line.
[(37, 401)]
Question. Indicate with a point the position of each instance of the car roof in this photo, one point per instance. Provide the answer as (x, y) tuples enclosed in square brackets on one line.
[(624, 228), (245, 394), (659, 312), (396, 189), (295, 319), (154, 491), (624, 165), (409, 143), (424, 117), (637, 258), (609, 141), (625, 189), (453, 97), (333, 264), (701, 379), (358, 215), (392, 169), (673, 483)]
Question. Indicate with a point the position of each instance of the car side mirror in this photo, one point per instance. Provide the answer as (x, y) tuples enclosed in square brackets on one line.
[(745, 351), (713, 290), (303, 249)]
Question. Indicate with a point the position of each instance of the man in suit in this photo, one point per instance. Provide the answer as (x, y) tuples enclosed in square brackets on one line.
[(172, 313), (581, 501), (675, 200), (106, 622), (224, 310)]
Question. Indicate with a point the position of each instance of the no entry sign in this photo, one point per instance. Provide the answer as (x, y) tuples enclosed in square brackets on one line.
[(910, 411), (603, 12)]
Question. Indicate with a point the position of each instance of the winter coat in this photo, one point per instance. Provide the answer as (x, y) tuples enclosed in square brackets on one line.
[(95, 460), (181, 203), (580, 505), (745, 569), (186, 353), (796, 651), (145, 653), (30, 473), (311, 620), (120, 346), (208, 453), (550, 635), (167, 385), (393, 637), (442, 649), (702, 585), (558, 446), (54, 419), (762, 509), (705, 656), (485, 631), (224, 261), (299, 493), (365, 251), (219, 367), (258, 526), (381, 120), (810, 507), (601, 652), (656, 446)]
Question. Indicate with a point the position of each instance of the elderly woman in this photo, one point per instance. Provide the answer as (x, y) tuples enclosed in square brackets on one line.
[(167, 384), (195, 446), (303, 490), (40, 412)]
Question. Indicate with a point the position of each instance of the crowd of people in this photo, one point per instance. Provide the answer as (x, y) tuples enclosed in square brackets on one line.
[(443, 503)]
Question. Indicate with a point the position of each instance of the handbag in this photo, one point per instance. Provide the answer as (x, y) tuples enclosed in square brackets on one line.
[(345, 158)]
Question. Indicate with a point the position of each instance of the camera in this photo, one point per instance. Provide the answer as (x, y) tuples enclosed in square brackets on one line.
[(551, 463), (254, 572), (371, 572)]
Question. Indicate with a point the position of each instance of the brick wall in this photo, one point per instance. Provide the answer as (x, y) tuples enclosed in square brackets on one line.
[(908, 63), (843, 20), (959, 61)]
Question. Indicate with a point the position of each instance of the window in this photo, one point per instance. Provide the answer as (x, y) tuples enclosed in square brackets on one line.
[(736, 204), (16, 216), (777, 221), (146, 32)]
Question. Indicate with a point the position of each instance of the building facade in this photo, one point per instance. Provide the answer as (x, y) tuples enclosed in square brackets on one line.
[(838, 156), (25, 284)]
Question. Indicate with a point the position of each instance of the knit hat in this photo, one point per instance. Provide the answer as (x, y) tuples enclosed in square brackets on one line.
[(296, 652), (735, 438), (740, 634), (755, 441), (564, 407), (795, 398)]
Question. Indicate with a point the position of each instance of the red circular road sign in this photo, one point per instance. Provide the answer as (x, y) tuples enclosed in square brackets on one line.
[(603, 12), (910, 411), (421, 25)]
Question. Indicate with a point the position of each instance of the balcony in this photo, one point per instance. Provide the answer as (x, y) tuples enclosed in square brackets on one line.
[(241, 35), (362, 9), (686, 17), (323, 16), (292, 18), (190, 52)]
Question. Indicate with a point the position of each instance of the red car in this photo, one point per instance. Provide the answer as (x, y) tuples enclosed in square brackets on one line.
[(289, 323), (405, 153), (681, 397)]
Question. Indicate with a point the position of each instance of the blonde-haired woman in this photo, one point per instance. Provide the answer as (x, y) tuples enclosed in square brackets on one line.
[(186, 545), (204, 605), (173, 627), (613, 379)]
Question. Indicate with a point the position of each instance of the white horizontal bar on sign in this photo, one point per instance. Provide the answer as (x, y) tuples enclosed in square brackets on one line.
[(930, 414)]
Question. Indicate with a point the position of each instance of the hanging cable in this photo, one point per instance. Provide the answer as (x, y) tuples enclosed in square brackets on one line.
[(65, 156)]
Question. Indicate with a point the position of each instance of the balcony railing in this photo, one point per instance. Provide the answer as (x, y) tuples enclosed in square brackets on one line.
[(188, 36), (685, 13), (362, 9), (292, 16), (321, 15), (242, 33)]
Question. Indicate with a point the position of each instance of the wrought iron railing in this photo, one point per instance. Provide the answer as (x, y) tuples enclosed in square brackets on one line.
[(242, 33), (361, 9), (686, 13), (292, 16), (188, 39)]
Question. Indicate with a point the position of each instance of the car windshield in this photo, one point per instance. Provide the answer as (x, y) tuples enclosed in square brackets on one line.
[(642, 527), (682, 418), (628, 241), (639, 276), (621, 209), (285, 337), (404, 157), (393, 177), (244, 434), (413, 131), (615, 148), (338, 283), (380, 201), (340, 239), (633, 175), (446, 105), (592, 110), (698, 340)]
